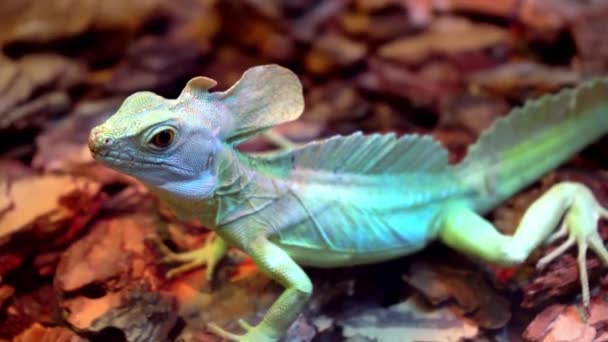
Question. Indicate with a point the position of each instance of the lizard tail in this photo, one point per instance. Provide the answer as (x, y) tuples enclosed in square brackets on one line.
[(534, 139)]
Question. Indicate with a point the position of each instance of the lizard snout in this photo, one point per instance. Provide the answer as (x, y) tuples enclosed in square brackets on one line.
[(98, 142)]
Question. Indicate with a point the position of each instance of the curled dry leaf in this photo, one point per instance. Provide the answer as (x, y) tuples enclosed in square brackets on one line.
[(479, 301), (377, 27), (308, 26), (476, 113), (268, 8), (332, 51), (246, 298), (375, 5), (590, 38), (444, 37), (6, 292), (430, 86), (569, 323), (155, 63), (457, 142), (31, 227), (113, 250), (335, 102), (256, 32), (560, 278), (11, 170), (520, 80), (33, 88), (46, 213), (409, 320), (31, 113), (43, 21), (6, 202), (544, 18), (63, 146), (38, 303), (39, 333), (112, 280)]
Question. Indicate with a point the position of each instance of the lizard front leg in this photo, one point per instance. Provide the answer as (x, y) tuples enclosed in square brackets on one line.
[(466, 231), (210, 254), (274, 262)]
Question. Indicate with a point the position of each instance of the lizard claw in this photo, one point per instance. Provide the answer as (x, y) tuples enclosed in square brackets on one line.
[(259, 333), (217, 330), (580, 222), (243, 323), (210, 255)]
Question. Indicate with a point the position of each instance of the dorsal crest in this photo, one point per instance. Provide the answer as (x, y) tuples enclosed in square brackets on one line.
[(362, 154)]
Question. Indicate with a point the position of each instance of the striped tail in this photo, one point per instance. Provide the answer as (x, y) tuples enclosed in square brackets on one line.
[(533, 140)]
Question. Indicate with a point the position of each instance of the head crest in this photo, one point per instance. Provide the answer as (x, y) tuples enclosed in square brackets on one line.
[(264, 97)]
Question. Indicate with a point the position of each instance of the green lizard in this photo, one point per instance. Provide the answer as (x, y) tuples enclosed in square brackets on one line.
[(349, 200)]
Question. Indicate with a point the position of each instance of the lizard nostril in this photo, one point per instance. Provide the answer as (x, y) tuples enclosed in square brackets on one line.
[(97, 142)]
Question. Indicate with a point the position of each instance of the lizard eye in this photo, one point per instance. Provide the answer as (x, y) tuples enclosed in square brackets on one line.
[(162, 139)]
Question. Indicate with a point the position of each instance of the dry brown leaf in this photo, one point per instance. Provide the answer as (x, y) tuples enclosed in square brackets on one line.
[(43, 21), (39, 333), (256, 32), (476, 113), (111, 251), (33, 88), (433, 84), (335, 102), (6, 292), (375, 5), (560, 323), (590, 38), (113, 280), (247, 298), (308, 26), (155, 63), (409, 320), (543, 17), (63, 146), (332, 51), (376, 27), (521, 80), (6, 201), (45, 213), (444, 37), (479, 301)]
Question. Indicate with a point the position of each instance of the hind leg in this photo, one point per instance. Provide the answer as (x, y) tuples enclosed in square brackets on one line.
[(466, 231)]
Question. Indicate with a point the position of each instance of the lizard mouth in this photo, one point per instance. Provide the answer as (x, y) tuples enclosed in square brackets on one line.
[(124, 161), (119, 159), (116, 160)]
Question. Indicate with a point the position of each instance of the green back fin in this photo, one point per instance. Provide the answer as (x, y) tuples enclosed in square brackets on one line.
[(361, 154), (534, 139)]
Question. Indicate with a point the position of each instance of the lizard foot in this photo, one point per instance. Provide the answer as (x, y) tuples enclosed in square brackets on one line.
[(580, 224), (210, 254), (259, 333)]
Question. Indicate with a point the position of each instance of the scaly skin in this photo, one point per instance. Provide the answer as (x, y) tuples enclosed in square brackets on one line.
[(348, 200)]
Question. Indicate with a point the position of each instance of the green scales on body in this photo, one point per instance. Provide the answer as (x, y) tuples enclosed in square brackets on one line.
[(349, 200)]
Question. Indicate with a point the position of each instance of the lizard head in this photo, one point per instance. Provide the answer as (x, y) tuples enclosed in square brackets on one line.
[(175, 144)]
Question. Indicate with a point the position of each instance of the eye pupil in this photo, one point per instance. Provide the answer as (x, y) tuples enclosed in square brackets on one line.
[(162, 138)]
